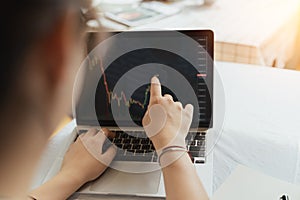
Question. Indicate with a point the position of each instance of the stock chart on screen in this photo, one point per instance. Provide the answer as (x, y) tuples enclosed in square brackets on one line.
[(154, 62)]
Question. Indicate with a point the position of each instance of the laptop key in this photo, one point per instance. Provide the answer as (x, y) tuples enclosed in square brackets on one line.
[(138, 151), (199, 136), (117, 140), (152, 147), (135, 141), (127, 141), (194, 148), (125, 135), (127, 146), (197, 154), (118, 135), (119, 145), (146, 146), (149, 151), (154, 159), (200, 142), (193, 143), (145, 141), (136, 146), (119, 132)]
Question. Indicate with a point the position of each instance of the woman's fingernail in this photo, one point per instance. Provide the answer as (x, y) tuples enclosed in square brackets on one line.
[(155, 80)]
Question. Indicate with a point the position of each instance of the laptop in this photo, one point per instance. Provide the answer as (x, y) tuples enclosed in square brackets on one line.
[(112, 91)]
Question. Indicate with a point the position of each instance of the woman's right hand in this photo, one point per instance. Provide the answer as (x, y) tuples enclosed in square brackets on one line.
[(166, 122)]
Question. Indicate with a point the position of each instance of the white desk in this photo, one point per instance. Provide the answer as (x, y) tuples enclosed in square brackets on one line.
[(261, 32), (261, 126)]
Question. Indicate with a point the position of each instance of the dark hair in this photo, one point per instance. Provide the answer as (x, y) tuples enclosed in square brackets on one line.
[(23, 23)]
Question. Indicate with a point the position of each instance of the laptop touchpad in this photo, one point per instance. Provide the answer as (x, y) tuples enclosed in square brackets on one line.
[(116, 182)]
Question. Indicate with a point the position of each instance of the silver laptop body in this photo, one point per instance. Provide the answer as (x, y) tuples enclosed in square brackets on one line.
[(133, 177)]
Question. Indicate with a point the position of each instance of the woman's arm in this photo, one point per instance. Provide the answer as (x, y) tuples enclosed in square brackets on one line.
[(180, 176), (181, 180), (61, 186), (79, 166)]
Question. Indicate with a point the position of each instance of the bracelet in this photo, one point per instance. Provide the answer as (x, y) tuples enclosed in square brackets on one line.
[(171, 148)]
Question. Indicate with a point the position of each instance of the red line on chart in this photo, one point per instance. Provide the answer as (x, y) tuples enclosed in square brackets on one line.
[(112, 96), (201, 75)]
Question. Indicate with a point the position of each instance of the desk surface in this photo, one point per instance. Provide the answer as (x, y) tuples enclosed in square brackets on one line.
[(260, 128)]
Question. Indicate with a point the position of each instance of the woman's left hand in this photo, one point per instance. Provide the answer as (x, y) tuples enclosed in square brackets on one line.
[(85, 161)]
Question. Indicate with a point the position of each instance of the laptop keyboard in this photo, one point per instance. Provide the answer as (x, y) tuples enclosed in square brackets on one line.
[(135, 146)]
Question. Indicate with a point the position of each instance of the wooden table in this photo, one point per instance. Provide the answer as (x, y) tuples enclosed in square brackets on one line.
[(253, 32)]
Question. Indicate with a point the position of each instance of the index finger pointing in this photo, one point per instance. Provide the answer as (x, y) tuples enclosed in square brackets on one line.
[(155, 90)]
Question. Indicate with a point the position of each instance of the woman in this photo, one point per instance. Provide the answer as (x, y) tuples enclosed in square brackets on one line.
[(42, 42)]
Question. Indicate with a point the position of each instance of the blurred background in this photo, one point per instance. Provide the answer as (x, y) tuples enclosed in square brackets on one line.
[(253, 32)]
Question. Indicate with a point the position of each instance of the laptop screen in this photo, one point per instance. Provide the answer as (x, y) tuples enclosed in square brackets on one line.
[(116, 90)]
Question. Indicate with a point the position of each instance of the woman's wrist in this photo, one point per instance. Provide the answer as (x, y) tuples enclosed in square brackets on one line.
[(74, 178), (182, 162), (164, 139)]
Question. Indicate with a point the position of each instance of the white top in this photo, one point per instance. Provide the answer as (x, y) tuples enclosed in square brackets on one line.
[(261, 129), (248, 184)]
